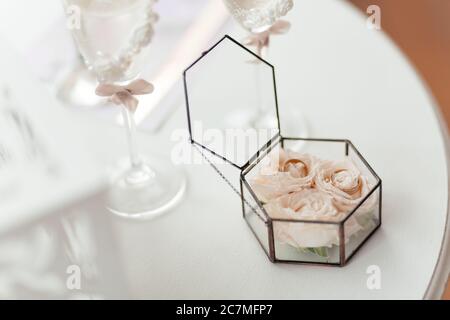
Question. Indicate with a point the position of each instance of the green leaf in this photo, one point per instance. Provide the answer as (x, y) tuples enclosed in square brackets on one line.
[(320, 251)]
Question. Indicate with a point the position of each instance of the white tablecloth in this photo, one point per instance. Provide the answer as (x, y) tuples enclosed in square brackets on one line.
[(350, 82)]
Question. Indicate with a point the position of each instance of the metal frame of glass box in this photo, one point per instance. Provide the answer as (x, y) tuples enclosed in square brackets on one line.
[(267, 242)]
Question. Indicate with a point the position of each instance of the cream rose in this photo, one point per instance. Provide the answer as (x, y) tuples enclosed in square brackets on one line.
[(307, 204), (285, 172), (313, 205), (344, 183), (301, 187)]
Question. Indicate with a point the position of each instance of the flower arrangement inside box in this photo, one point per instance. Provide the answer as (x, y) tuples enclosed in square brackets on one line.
[(306, 200)]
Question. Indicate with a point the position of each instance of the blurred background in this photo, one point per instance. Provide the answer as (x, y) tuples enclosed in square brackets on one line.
[(420, 29)]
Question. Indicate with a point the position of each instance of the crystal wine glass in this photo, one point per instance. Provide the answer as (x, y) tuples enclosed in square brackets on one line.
[(259, 17), (113, 38)]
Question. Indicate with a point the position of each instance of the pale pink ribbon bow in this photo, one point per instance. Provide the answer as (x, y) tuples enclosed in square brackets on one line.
[(260, 40), (124, 95)]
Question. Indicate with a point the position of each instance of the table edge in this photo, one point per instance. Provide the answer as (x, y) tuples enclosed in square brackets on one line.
[(441, 272)]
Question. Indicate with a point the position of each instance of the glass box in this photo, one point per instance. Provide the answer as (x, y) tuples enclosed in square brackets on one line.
[(306, 200)]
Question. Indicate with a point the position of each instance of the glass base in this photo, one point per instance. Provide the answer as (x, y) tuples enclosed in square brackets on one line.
[(145, 191), (293, 123), (77, 89)]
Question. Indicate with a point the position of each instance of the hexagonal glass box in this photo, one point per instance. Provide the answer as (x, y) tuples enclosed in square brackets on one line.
[(306, 200)]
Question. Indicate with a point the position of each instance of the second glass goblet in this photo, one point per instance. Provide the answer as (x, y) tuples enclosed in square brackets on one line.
[(259, 17), (113, 37)]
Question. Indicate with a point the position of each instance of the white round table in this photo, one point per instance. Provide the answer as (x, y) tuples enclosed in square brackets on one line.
[(350, 82)]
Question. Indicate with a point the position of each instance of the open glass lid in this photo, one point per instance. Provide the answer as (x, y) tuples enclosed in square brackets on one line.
[(231, 102)]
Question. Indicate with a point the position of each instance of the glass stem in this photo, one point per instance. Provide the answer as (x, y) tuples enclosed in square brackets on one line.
[(130, 126), (260, 84)]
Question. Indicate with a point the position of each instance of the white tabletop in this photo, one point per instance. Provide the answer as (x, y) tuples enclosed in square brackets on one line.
[(350, 82)]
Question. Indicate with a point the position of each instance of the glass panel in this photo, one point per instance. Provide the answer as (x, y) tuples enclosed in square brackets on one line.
[(306, 242), (362, 222), (358, 161), (323, 149), (231, 101), (254, 216)]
